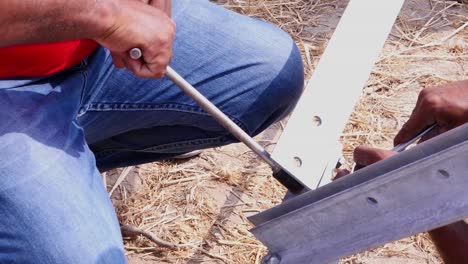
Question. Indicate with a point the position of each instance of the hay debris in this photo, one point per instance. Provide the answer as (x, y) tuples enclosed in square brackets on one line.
[(202, 205)]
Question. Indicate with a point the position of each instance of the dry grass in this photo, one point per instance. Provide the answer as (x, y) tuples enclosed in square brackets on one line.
[(201, 205)]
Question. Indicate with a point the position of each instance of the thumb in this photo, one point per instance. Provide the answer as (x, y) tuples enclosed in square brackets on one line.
[(423, 116), (365, 156)]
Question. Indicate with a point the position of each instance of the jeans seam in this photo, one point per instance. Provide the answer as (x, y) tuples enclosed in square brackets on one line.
[(83, 90), (157, 149), (103, 107), (109, 107)]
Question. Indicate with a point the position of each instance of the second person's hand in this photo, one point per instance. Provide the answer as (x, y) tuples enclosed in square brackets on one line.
[(445, 105), (365, 156)]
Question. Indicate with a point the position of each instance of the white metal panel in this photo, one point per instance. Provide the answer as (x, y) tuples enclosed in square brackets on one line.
[(334, 89)]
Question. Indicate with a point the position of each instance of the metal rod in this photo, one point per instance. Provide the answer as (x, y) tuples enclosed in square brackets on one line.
[(279, 173), (217, 114)]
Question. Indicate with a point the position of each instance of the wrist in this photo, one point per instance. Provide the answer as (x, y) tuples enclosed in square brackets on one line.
[(100, 19)]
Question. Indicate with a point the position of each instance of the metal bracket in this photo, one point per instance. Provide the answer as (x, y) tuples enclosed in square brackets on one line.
[(414, 191)]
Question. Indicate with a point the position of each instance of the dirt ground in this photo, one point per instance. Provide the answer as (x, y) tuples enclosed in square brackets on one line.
[(201, 204)]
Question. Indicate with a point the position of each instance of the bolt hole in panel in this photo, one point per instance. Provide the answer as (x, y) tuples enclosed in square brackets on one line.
[(443, 173), (297, 162), (334, 89), (316, 121), (372, 201)]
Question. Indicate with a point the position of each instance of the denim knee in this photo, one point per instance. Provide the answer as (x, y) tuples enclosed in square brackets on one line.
[(289, 83), (284, 88)]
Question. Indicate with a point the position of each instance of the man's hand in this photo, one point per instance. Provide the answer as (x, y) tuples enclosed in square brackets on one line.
[(445, 105), (138, 25)]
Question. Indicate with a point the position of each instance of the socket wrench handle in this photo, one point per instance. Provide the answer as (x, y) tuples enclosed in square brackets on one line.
[(217, 114), (279, 172)]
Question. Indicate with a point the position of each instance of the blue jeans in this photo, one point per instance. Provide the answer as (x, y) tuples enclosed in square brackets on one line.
[(57, 132)]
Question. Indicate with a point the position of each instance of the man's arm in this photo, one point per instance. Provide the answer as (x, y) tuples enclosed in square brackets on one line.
[(39, 21), (118, 25), (452, 242)]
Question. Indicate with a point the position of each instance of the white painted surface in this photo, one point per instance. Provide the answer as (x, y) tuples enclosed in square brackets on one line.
[(334, 89)]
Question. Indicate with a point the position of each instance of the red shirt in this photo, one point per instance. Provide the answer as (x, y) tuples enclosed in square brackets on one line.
[(39, 60)]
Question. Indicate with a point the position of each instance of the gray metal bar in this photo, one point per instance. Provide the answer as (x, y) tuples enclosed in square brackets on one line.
[(415, 191), (413, 155)]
